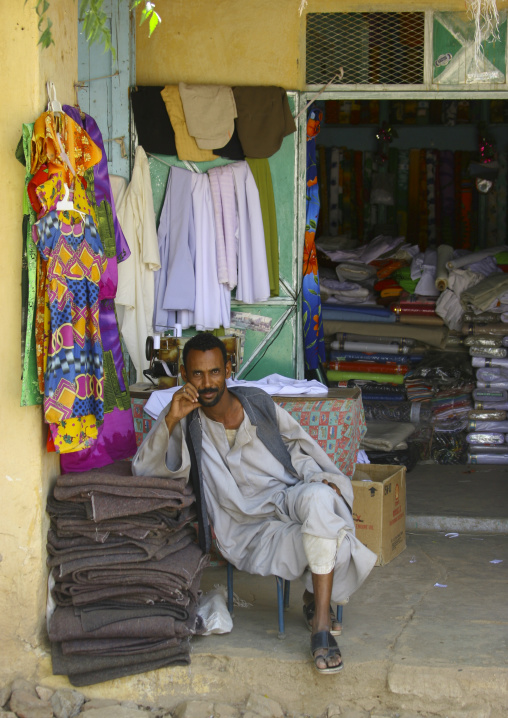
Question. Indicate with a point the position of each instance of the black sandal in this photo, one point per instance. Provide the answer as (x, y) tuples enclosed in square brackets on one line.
[(308, 615), (324, 639)]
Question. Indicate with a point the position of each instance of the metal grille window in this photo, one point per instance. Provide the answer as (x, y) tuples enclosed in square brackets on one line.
[(373, 48)]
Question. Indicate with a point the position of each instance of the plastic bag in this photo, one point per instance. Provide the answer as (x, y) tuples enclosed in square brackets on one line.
[(443, 371), (213, 610)]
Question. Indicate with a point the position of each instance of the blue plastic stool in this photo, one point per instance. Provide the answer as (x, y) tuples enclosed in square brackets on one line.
[(283, 586)]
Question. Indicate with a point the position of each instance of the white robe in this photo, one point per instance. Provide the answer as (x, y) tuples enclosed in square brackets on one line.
[(256, 507), (135, 295)]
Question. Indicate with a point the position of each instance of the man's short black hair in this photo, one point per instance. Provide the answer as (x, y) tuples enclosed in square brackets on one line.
[(203, 342)]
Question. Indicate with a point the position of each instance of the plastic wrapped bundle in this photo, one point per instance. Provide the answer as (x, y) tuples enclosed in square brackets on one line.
[(381, 358), (493, 373), (498, 330), (498, 352), (414, 412), (477, 437), (449, 447), (483, 318), (393, 341), (369, 347), (484, 341), (487, 414), (486, 426), (494, 459), (478, 362), (500, 384), (490, 394), (487, 405)]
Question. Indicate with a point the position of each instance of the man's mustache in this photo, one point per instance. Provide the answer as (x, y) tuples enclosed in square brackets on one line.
[(207, 391)]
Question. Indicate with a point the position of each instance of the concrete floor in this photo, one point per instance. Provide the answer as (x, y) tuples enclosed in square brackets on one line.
[(425, 635), (426, 632)]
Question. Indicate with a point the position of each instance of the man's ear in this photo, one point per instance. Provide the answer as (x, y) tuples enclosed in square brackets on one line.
[(229, 369), (183, 373)]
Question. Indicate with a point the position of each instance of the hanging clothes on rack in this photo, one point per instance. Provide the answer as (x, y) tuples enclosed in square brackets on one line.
[(135, 295), (117, 438), (260, 169)]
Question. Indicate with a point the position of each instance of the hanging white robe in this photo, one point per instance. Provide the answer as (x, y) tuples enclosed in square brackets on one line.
[(253, 281), (135, 295)]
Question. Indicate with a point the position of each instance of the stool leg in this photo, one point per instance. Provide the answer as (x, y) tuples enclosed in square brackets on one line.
[(229, 570), (280, 605), (287, 585), (339, 613)]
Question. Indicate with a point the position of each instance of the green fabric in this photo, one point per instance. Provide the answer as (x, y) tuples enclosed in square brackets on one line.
[(260, 168), (403, 277), (501, 258), (106, 228), (335, 375), (30, 394)]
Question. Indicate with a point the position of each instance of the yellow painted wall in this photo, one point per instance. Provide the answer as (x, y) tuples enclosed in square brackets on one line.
[(249, 42), (25, 468)]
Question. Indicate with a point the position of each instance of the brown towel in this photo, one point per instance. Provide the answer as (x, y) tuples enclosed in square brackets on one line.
[(264, 119)]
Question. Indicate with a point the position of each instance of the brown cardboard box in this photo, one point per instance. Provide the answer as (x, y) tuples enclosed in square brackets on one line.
[(379, 509)]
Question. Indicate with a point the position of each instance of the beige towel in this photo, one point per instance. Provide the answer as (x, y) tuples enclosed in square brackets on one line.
[(210, 112), (186, 146)]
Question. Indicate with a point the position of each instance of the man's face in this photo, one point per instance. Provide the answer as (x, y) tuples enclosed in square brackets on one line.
[(206, 372)]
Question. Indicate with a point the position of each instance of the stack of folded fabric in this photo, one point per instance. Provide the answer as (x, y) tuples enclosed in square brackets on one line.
[(125, 574)]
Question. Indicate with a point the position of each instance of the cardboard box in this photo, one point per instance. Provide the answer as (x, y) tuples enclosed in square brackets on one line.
[(379, 509)]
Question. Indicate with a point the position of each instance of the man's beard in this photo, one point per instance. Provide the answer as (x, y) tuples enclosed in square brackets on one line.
[(215, 400)]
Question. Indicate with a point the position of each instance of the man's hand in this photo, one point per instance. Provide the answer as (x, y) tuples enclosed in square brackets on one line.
[(332, 486), (183, 402)]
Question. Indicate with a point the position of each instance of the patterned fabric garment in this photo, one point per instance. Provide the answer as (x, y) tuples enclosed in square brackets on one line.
[(74, 373), (61, 143), (313, 336)]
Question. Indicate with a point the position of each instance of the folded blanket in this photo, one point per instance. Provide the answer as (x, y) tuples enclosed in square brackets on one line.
[(386, 435)]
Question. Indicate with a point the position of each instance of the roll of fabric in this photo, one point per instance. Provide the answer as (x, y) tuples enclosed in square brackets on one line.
[(413, 309), (334, 375), (474, 257), (346, 314), (490, 361), (488, 405), (381, 358), (424, 320), (490, 394), (487, 426), (495, 459), (371, 347), (434, 336), (492, 385), (368, 366), (444, 255), (488, 352), (487, 329), (481, 340), (488, 414), (414, 412), (477, 437), (492, 374), (401, 341)]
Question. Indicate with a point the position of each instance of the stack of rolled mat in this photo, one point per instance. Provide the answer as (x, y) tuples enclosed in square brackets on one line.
[(124, 575), (487, 340)]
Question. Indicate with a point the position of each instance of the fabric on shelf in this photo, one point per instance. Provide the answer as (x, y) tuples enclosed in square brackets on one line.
[(386, 435), (447, 191), (370, 356), (444, 255), (334, 375), (367, 366), (434, 336)]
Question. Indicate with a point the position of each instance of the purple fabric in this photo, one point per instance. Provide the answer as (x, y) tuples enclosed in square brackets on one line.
[(117, 437), (101, 177)]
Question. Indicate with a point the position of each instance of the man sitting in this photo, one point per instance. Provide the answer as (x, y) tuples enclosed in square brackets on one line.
[(278, 504)]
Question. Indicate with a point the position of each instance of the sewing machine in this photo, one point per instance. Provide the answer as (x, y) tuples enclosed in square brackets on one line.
[(165, 356)]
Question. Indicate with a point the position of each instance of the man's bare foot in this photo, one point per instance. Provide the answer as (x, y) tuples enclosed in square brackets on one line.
[(309, 610)]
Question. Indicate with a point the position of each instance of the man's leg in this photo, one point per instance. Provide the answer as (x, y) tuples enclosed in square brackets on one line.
[(322, 584)]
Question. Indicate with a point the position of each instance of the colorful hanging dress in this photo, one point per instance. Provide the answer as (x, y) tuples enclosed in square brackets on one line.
[(312, 321)]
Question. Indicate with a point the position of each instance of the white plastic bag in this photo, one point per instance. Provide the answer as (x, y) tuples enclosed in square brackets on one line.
[(213, 610)]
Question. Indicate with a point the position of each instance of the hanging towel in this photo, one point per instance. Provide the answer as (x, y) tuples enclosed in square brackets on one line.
[(264, 119), (222, 187), (210, 112), (175, 285), (260, 169), (186, 146), (153, 126), (253, 281)]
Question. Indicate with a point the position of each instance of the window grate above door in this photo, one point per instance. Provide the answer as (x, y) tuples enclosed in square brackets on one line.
[(373, 48)]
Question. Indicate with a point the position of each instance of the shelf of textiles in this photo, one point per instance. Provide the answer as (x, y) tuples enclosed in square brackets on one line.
[(410, 328), (427, 195)]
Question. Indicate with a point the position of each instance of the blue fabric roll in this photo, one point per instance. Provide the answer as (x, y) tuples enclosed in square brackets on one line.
[(343, 314), (404, 359)]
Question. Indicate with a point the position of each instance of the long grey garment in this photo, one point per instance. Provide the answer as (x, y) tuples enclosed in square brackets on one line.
[(259, 511)]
